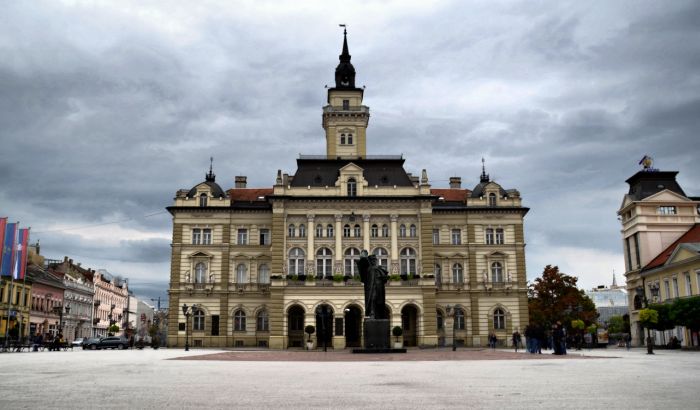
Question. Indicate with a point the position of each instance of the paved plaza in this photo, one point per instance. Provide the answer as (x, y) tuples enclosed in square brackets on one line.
[(168, 378)]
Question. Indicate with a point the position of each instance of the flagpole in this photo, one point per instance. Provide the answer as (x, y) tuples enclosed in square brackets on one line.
[(12, 287)]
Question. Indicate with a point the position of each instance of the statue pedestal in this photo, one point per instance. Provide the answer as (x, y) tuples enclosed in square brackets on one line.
[(376, 337)]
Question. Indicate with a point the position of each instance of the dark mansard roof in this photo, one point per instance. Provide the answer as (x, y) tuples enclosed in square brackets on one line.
[(325, 172)]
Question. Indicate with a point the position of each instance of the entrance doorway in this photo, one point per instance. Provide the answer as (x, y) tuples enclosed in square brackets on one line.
[(353, 326), (324, 326), (409, 322), (295, 326)]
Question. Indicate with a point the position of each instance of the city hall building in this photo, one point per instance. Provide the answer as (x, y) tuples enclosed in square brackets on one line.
[(257, 265)]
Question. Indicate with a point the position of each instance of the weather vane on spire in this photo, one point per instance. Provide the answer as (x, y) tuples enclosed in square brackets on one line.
[(210, 176)]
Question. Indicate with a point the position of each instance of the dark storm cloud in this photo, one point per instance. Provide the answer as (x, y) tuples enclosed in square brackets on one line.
[(106, 112)]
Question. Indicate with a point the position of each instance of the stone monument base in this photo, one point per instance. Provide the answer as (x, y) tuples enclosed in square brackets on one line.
[(376, 337)]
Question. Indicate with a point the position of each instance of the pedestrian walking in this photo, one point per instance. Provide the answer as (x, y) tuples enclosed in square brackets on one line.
[(492, 340), (516, 340)]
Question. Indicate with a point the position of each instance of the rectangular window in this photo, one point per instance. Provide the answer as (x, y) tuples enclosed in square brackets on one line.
[(196, 236), (676, 293), (667, 288), (688, 285), (667, 210), (206, 236), (636, 249), (489, 236), (346, 105), (242, 237), (436, 236), (181, 326), (215, 325), (500, 237), (456, 237), (264, 237)]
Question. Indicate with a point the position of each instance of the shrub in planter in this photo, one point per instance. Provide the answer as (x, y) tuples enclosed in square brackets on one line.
[(397, 331), (394, 278), (310, 329), (338, 278)]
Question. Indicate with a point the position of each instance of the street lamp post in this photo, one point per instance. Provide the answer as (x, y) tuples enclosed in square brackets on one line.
[(654, 288), (451, 313), (187, 311)]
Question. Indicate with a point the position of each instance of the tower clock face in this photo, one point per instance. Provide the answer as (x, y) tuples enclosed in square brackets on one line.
[(345, 81)]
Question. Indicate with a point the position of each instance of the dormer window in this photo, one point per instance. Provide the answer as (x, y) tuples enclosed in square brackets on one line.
[(203, 200), (492, 199), (346, 105), (352, 187)]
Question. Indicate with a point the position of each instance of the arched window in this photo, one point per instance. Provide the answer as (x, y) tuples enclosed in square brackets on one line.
[(346, 231), (241, 271), (500, 238), (351, 255), (319, 230), (492, 199), (352, 187), (457, 273), (408, 261), (239, 321), (402, 231), (324, 263), (302, 231), (496, 272), (382, 257), (459, 318), (292, 231), (263, 274), (296, 261), (499, 319), (412, 231), (200, 272), (262, 322), (349, 139), (374, 232), (357, 232), (489, 236), (385, 231), (342, 139), (329, 230), (198, 320), (203, 200)]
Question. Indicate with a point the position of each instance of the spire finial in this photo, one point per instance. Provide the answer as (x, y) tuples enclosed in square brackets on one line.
[(484, 175), (345, 56), (210, 176)]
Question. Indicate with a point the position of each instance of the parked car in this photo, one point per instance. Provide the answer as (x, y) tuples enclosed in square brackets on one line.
[(113, 342), (78, 342), (91, 343)]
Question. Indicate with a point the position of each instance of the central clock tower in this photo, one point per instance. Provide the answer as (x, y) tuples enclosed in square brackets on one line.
[(345, 119)]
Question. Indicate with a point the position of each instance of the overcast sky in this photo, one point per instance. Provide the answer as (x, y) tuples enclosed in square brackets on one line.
[(106, 109)]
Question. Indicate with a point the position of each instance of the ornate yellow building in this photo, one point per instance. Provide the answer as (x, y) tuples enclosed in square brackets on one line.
[(258, 265)]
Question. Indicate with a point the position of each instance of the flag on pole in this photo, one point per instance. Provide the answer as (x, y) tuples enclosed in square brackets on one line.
[(3, 224), (8, 249), (21, 254)]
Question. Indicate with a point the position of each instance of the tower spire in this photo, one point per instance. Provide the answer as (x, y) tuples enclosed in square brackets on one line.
[(484, 176), (345, 72), (614, 284), (345, 56), (210, 176)]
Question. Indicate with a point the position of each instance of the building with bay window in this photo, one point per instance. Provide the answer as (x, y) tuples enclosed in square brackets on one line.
[(259, 264)]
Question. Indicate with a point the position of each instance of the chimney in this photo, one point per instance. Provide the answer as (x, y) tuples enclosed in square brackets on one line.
[(241, 181), (455, 182)]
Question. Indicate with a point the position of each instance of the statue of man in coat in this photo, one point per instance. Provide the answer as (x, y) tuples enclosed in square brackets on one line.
[(374, 277)]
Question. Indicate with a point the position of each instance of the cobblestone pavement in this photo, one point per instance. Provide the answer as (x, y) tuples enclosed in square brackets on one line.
[(433, 379)]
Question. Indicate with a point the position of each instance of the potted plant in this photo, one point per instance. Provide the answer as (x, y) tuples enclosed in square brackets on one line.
[(112, 330), (397, 331), (309, 329), (337, 278)]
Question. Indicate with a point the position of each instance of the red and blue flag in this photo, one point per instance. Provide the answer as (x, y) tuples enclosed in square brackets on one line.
[(9, 246), (21, 254)]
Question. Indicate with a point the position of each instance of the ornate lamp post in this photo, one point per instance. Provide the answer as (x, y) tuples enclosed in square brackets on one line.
[(654, 288), (451, 313), (187, 311)]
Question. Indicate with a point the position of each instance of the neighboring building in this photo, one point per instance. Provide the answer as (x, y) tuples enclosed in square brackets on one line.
[(610, 301), (47, 303), (14, 309), (144, 317), (238, 255), (110, 302), (655, 214), (78, 297)]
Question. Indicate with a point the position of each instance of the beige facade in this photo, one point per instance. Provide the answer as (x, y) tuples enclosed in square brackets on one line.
[(260, 264), (655, 214)]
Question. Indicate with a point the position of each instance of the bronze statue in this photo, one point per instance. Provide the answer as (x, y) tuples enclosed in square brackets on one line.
[(374, 276)]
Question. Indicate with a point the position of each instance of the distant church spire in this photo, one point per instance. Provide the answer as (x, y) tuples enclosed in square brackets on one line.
[(484, 176), (210, 176), (614, 284)]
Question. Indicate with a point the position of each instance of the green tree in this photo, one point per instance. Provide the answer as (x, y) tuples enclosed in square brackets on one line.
[(556, 297), (648, 318), (616, 324), (664, 320), (686, 312)]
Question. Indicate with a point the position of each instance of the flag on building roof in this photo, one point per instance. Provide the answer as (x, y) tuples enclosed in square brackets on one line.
[(8, 249), (21, 254)]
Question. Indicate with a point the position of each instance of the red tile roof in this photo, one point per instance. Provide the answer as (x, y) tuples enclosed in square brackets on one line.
[(691, 236), (452, 194), (248, 194)]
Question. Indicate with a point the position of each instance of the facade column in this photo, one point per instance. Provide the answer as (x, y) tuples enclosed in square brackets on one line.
[(338, 237), (365, 236), (310, 255), (394, 238)]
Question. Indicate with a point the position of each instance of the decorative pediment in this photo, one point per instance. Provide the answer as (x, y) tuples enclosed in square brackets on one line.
[(201, 254), (666, 196), (683, 252), (351, 167)]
